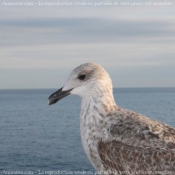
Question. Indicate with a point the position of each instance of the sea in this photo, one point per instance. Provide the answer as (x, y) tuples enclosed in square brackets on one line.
[(39, 139)]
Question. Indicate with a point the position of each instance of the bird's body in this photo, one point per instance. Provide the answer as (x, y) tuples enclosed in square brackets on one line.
[(124, 141), (117, 140)]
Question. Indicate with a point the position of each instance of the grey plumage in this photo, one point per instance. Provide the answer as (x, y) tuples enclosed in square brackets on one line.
[(117, 140)]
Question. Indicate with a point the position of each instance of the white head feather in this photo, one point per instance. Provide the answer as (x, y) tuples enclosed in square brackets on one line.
[(88, 79)]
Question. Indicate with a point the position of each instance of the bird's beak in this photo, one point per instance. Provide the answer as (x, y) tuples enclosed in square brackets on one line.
[(58, 95)]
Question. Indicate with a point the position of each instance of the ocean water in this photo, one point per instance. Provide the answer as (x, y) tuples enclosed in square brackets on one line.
[(39, 139)]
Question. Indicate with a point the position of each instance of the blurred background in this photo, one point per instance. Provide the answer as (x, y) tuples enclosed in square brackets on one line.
[(42, 41)]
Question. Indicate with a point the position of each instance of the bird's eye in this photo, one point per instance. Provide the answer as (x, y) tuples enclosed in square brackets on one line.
[(81, 77)]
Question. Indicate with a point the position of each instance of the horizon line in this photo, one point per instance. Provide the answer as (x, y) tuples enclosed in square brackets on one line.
[(58, 88)]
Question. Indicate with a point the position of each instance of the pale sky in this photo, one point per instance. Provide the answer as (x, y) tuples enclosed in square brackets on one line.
[(41, 44)]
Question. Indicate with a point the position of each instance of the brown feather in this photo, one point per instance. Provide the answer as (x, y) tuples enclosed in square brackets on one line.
[(115, 155)]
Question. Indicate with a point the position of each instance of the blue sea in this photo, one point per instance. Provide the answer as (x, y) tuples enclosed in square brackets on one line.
[(39, 139)]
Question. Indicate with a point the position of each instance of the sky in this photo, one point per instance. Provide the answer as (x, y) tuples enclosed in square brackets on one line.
[(42, 41)]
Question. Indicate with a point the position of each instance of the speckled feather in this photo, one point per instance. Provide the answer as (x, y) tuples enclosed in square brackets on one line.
[(125, 141), (117, 140)]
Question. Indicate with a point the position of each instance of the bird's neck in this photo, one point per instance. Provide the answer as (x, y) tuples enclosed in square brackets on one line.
[(95, 108), (94, 111)]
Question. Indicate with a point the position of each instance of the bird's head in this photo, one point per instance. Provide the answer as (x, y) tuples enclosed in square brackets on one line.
[(86, 80)]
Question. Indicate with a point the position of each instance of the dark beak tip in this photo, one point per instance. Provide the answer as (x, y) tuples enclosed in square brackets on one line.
[(58, 95), (52, 101)]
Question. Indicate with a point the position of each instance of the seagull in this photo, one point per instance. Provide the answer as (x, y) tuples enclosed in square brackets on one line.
[(117, 140)]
